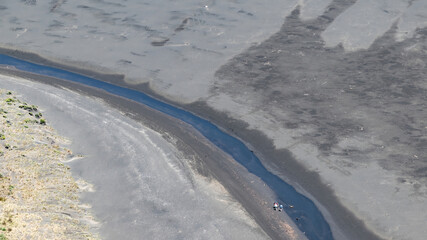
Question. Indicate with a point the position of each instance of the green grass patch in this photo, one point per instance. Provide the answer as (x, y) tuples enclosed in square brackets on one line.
[(25, 107)]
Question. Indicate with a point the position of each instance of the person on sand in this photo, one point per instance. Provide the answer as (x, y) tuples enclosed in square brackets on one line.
[(280, 207), (275, 205)]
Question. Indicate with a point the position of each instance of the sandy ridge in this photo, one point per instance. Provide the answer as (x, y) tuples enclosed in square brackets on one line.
[(39, 198)]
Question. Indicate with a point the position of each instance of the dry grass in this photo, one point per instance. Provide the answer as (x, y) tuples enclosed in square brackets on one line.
[(39, 198)]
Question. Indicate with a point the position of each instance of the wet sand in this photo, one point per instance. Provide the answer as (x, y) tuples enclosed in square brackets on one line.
[(210, 161)]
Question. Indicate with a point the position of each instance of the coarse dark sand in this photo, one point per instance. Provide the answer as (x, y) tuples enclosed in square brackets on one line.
[(213, 162)]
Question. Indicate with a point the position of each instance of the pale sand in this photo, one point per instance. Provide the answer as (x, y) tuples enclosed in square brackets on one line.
[(39, 198)]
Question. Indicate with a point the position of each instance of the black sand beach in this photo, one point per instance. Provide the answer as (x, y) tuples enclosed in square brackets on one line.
[(208, 160), (213, 163), (330, 95)]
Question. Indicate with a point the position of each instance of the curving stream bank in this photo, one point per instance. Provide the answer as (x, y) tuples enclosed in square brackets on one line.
[(305, 214)]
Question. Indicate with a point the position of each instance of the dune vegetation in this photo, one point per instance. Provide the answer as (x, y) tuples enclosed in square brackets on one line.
[(39, 198)]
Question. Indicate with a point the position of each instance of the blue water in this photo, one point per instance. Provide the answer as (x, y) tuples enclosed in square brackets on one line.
[(310, 220)]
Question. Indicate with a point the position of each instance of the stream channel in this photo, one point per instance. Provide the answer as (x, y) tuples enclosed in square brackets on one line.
[(305, 214)]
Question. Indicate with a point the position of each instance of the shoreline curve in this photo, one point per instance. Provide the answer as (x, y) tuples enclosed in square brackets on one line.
[(340, 216)]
